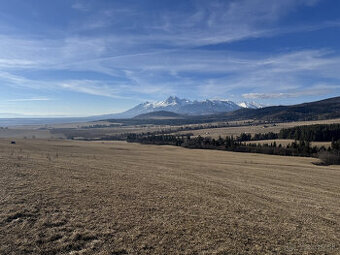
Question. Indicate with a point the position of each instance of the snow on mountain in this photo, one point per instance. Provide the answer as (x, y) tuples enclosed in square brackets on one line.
[(185, 106), (171, 101), (251, 105)]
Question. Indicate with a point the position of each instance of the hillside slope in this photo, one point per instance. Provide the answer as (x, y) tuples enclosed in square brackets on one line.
[(159, 115), (324, 109)]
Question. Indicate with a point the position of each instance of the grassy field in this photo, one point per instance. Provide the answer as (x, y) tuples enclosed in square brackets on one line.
[(28, 133), (62, 131), (72, 197), (229, 131)]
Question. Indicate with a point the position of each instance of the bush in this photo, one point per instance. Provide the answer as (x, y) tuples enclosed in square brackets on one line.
[(329, 157)]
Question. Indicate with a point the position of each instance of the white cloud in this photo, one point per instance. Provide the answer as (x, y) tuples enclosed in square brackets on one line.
[(89, 87), (309, 92), (29, 99), (80, 6), (179, 71), (138, 67)]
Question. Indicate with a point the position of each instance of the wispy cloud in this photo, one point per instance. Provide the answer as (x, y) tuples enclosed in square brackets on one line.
[(29, 99), (124, 52), (80, 6), (312, 92), (89, 87), (178, 71)]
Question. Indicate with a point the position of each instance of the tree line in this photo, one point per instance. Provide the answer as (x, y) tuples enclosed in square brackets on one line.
[(319, 132), (301, 146), (230, 143), (315, 133)]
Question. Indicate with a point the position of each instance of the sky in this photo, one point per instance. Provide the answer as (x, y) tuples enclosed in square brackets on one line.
[(89, 57)]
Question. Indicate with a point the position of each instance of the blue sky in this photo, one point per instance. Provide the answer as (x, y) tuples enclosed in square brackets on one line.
[(86, 57)]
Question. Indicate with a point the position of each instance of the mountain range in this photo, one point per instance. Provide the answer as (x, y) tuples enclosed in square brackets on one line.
[(187, 107), (182, 111), (318, 110)]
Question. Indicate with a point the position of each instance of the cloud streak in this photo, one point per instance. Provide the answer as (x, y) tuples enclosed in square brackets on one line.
[(28, 99), (125, 52), (313, 92), (169, 71)]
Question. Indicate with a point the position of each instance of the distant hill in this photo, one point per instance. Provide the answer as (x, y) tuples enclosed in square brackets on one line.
[(324, 109), (159, 115)]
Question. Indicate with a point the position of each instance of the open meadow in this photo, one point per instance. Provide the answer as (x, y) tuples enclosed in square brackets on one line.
[(256, 128), (88, 130), (76, 197)]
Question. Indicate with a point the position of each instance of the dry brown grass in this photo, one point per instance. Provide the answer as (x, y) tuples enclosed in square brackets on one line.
[(76, 129), (263, 128), (29, 133), (69, 197)]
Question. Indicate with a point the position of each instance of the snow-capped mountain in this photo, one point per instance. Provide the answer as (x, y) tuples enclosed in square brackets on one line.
[(185, 106), (251, 105)]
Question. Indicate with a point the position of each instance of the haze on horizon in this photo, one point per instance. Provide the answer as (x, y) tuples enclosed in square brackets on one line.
[(87, 57)]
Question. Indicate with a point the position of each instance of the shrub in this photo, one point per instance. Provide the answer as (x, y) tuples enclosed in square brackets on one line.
[(329, 157)]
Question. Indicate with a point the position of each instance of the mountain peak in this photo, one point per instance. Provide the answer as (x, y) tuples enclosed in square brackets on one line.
[(185, 106), (174, 99), (171, 101), (251, 105)]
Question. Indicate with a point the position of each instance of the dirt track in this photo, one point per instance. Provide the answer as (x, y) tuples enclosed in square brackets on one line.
[(64, 197)]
